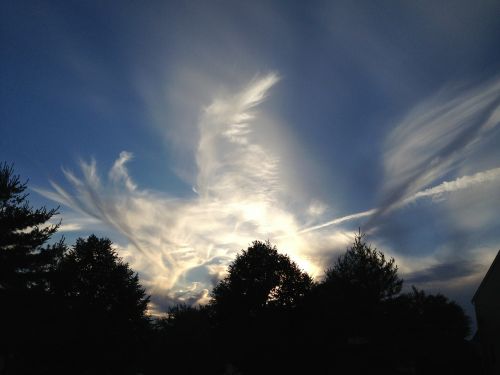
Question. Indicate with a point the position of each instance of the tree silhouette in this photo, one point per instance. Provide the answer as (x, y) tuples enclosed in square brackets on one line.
[(253, 309), (359, 315), (365, 271), (91, 274), (105, 305), (435, 315), (83, 311), (27, 265), (430, 331), (345, 315), (260, 278), (184, 331), (24, 264)]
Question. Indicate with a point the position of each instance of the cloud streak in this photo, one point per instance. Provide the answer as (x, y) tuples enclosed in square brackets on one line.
[(460, 183), (434, 138), (181, 247)]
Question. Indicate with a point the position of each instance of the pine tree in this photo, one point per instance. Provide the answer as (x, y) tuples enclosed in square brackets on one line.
[(24, 263), (366, 273), (27, 264)]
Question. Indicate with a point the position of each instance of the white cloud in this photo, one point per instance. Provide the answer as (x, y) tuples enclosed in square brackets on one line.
[(316, 208), (461, 183), (182, 246), (119, 174), (435, 138)]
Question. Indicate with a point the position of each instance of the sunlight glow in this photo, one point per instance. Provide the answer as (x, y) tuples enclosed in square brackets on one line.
[(181, 247)]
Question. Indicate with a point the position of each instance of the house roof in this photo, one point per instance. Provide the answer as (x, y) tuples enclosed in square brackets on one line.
[(496, 261)]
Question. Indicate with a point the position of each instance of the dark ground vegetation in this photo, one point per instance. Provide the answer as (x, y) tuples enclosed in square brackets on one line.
[(82, 310)]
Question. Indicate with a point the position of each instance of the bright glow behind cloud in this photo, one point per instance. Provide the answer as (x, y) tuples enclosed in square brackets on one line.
[(182, 246)]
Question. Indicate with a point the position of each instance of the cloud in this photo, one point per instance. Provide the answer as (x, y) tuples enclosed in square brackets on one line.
[(229, 163), (182, 246), (340, 220), (444, 272), (460, 183), (72, 227), (443, 269), (119, 174), (434, 138)]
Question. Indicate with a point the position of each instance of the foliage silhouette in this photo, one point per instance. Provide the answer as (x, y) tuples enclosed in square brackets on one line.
[(346, 309), (253, 308), (431, 331), (83, 311), (185, 332), (104, 305), (366, 272), (260, 278), (24, 264), (436, 315), (92, 275), (27, 266), (357, 316)]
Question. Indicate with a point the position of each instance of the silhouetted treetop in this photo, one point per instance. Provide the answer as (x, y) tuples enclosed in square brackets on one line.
[(23, 231), (27, 268), (435, 315), (260, 277), (82, 310), (93, 276), (366, 270)]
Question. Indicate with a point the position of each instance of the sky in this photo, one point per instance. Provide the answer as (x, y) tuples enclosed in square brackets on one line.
[(185, 130)]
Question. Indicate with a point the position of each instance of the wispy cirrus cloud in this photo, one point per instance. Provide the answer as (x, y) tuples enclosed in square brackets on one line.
[(437, 191), (435, 137), (438, 139), (181, 247), (460, 183)]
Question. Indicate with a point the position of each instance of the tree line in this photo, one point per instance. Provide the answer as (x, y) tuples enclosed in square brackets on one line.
[(81, 310)]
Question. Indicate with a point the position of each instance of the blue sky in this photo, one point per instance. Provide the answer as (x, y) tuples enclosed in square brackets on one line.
[(183, 130)]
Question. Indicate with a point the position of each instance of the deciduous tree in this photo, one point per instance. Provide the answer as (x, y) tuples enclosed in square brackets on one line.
[(259, 278), (254, 309), (105, 307)]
